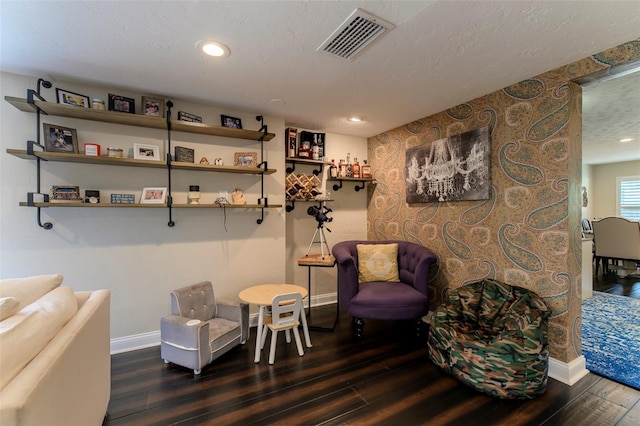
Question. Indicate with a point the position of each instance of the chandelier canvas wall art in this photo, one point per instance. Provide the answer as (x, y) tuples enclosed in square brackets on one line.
[(449, 169)]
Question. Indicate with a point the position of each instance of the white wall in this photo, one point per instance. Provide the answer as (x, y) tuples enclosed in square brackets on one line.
[(605, 187), (349, 218), (133, 252)]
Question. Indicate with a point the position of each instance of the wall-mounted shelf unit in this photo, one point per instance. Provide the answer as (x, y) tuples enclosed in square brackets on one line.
[(362, 181), (62, 110), (290, 207), (148, 206), (131, 162), (34, 103), (294, 161)]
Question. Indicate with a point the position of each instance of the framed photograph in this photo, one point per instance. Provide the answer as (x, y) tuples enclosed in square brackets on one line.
[(245, 159), (192, 118), (146, 152), (65, 194), (234, 123), (153, 195), (153, 107), (60, 139), (69, 98), (122, 104), (184, 155), (460, 173)]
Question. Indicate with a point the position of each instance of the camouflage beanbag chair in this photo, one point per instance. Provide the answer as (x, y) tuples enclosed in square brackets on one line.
[(493, 337)]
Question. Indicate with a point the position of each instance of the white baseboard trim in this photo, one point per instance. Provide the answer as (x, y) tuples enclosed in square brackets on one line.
[(568, 373), (152, 338), (135, 342)]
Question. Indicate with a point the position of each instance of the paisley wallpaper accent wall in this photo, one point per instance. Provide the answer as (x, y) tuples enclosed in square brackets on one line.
[(528, 232)]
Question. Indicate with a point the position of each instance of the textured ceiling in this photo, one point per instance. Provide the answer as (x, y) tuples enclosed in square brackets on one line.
[(610, 112), (440, 53)]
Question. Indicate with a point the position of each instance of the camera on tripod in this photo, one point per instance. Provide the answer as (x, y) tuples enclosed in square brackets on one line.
[(320, 213)]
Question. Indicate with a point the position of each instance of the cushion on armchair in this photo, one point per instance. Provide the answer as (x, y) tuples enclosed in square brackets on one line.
[(377, 262), (493, 337)]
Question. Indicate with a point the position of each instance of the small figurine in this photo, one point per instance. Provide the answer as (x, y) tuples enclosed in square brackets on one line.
[(218, 162), (204, 160), (237, 197)]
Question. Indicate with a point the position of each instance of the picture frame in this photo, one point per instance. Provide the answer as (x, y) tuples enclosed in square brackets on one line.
[(60, 138), (245, 159), (70, 98), (184, 155), (186, 116), (122, 104), (143, 151), (153, 106), (433, 178), (65, 194), (232, 122), (153, 195)]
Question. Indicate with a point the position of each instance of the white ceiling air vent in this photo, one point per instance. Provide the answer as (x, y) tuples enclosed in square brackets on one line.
[(356, 33)]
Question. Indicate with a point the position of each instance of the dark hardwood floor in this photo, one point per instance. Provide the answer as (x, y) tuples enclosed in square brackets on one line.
[(385, 378), (612, 283)]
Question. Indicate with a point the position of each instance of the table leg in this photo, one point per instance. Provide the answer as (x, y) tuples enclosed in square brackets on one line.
[(259, 334), (305, 328)]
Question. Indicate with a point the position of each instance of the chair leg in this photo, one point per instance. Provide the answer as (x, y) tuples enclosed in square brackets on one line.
[(265, 330), (296, 335), (287, 335), (419, 327), (358, 326), (272, 352)]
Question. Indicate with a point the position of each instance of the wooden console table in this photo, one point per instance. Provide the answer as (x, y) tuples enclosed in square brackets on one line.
[(318, 260)]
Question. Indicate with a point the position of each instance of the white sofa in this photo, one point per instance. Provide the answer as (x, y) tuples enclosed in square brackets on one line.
[(68, 380)]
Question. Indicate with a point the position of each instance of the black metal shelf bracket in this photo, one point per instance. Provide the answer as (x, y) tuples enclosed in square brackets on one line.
[(171, 223), (362, 185), (264, 165), (292, 168), (31, 95)]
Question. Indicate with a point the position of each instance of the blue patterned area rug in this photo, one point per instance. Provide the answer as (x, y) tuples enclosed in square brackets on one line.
[(611, 337)]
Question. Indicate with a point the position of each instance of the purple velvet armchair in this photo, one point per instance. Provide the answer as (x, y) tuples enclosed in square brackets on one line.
[(404, 300)]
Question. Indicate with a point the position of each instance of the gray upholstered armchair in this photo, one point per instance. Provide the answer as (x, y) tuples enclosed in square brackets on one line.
[(402, 298), (201, 328)]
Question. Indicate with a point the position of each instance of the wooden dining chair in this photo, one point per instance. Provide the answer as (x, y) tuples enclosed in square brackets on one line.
[(285, 316)]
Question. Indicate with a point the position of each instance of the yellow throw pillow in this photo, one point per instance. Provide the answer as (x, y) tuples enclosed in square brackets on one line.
[(377, 262)]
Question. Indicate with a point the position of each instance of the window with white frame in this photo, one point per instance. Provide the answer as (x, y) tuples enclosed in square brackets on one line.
[(629, 197)]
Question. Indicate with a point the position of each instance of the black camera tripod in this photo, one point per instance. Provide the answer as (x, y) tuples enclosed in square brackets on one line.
[(321, 218)]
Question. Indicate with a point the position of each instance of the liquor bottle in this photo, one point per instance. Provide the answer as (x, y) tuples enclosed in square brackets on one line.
[(305, 150), (355, 168), (348, 165), (292, 141), (315, 149), (343, 169), (333, 169), (365, 170)]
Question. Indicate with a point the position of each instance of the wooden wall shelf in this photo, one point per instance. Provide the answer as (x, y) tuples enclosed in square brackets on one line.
[(63, 110), (131, 162)]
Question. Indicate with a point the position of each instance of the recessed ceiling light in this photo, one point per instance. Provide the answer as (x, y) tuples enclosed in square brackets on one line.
[(356, 119), (213, 48), (626, 140)]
